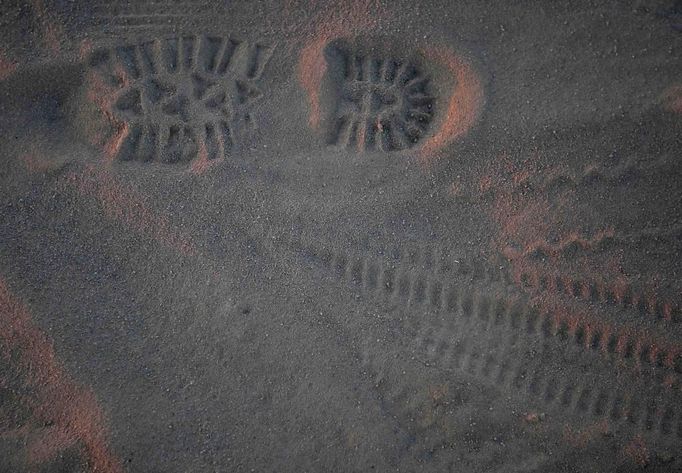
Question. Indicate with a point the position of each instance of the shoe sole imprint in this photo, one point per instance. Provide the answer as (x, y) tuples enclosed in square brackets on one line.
[(382, 103), (478, 342), (428, 285), (179, 98), (460, 344)]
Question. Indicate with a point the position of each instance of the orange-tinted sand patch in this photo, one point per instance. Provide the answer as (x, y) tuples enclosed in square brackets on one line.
[(557, 268), (112, 132), (582, 438), (114, 144), (7, 66), (621, 343), (36, 164), (345, 19), (570, 240), (637, 451), (85, 49), (672, 98), (126, 206), (312, 67), (537, 238), (202, 164), (52, 397), (52, 30), (464, 105)]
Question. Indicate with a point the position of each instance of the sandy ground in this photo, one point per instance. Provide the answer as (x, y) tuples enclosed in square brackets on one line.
[(340, 236)]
